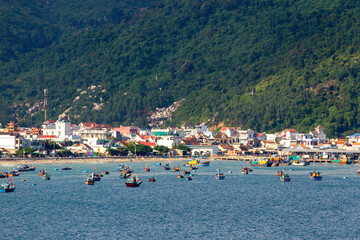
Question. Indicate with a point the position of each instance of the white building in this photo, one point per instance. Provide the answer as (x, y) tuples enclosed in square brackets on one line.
[(168, 141), (11, 141), (58, 129)]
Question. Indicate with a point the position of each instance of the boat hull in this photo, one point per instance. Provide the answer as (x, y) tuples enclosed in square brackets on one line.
[(132, 184), (285, 179), (256, 164), (7, 190), (316, 178), (89, 182)]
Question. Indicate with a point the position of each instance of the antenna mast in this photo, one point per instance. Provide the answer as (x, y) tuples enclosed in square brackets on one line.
[(45, 101)]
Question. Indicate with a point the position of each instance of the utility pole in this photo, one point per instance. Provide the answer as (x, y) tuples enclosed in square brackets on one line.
[(45, 102)]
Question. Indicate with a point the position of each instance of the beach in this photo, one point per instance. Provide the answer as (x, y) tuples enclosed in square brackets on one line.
[(34, 161)]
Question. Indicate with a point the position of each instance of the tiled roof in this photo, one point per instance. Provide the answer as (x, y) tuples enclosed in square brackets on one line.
[(150, 144)]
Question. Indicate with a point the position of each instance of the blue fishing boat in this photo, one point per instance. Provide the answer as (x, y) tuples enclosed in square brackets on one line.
[(219, 175), (46, 176), (315, 176), (7, 187)]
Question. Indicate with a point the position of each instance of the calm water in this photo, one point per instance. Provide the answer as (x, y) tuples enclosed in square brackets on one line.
[(256, 206)]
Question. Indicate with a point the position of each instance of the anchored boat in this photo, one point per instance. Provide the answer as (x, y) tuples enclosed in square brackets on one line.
[(7, 187), (219, 175), (134, 181), (315, 176)]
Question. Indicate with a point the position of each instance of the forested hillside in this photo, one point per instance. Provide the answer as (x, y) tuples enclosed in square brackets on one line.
[(298, 58)]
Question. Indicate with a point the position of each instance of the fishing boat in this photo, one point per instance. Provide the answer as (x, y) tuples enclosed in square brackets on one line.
[(146, 169), (194, 167), (167, 168), (180, 176), (42, 172), (158, 164), (152, 179), (275, 164), (134, 181), (46, 176), (342, 161), (7, 187), (358, 172), (3, 174), (261, 163), (189, 178), (315, 176), (89, 181), (219, 175), (31, 168), (244, 170), (106, 172), (280, 173), (299, 163), (66, 168), (204, 164), (186, 172), (124, 175), (176, 169), (285, 177), (25, 168), (95, 177), (13, 174)]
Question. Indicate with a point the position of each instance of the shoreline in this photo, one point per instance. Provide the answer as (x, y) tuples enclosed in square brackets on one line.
[(85, 160)]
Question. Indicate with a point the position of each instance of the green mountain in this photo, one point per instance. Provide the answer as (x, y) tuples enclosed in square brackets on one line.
[(261, 64)]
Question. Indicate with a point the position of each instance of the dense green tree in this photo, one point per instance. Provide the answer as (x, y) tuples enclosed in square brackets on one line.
[(162, 149)]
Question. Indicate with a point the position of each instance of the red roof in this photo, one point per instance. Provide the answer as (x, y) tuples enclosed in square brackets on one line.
[(150, 144), (144, 137), (227, 147), (89, 124), (259, 134), (290, 130), (225, 128)]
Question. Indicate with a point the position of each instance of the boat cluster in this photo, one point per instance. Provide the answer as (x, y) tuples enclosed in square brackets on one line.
[(95, 176), (284, 177)]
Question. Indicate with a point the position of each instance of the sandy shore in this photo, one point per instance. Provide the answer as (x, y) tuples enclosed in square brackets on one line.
[(4, 162)]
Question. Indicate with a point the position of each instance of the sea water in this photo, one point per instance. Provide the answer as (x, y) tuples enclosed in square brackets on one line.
[(253, 206)]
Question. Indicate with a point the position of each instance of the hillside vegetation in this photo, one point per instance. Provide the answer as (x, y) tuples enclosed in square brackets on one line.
[(298, 57)]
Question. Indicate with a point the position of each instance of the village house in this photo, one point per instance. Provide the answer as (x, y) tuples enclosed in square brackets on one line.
[(11, 141), (93, 134), (58, 129), (319, 133), (127, 132)]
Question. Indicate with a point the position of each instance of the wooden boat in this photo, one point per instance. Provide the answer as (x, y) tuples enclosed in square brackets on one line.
[(315, 176), (106, 172), (158, 164), (46, 177), (124, 175), (275, 164), (13, 173), (152, 179), (134, 181), (89, 181), (146, 169), (189, 178), (262, 163), (342, 162), (299, 163), (180, 176), (244, 170), (31, 168), (219, 175), (3, 174), (280, 173), (176, 169), (95, 177), (193, 168), (186, 171), (285, 177), (42, 172), (204, 164), (7, 187), (66, 168), (167, 168)]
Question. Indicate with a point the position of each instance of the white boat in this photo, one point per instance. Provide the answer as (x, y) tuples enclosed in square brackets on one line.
[(299, 163)]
